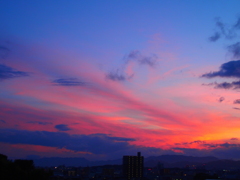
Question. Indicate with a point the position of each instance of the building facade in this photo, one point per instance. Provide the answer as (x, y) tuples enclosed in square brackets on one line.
[(133, 166)]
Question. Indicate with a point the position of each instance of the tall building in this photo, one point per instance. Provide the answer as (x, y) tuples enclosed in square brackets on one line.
[(133, 166)]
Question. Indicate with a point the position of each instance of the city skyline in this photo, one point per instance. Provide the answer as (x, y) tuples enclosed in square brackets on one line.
[(103, 79)]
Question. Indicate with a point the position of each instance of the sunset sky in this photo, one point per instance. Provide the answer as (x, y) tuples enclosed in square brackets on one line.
[(105, 78)]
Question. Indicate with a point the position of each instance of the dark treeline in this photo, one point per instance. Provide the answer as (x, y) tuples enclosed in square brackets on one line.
[(20, 170)]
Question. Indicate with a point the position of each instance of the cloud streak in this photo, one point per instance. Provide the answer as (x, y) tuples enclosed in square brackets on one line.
[(133, 57), (94, 143), (234, 49), (221, 99), (141, 59), (39, 122), (224, 30), (68, 82), (237, 101), (4, 52), (229, 70), (62, 127), (225, 85), (117, 76), (215, 37), (7, 72), (2, 121)]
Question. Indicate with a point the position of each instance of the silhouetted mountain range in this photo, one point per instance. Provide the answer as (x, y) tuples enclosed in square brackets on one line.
[(177, 160), (169, 161), (56, 161), (223, 164)]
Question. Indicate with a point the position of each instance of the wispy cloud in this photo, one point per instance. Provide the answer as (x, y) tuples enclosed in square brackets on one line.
[(7, 72), (229, 69), (214, 37), (234, 49), (2, 121), (117, 76), (39, 122), (225, 30), (229, 32), (192, 142), (225, 85), (222, 145), (237, 101), (220, 25), (221, 99), (237, 24), (4, 51), (62, 127), (236, 108), (94, 143), (135, 55), (68, 82), (225, 150)]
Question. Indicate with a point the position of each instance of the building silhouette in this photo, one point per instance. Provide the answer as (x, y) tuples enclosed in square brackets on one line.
[(133, 166)]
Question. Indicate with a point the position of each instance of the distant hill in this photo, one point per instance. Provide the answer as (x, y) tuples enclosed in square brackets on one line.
[(177, 160), (223, 164), (57, 161), (167, 160)]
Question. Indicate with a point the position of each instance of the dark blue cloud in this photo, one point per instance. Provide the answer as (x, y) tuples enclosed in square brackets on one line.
[(151, 61), (233, 152), (221, 150), (226, 151), (220, 25), (115, 138), (94, 143), (7, 72), (135, 56), (224, 30), (236, 108), (237, 101), (98, 144), (141, 59), (2, 121), (192, 142), (62, 127), (234, 49), (39, 122), (230, 69), (68, 82), (221, 99), (117, 75), (228, 145), (4, 51), (214, 37), (223, 145), (225, 85), (111, 147), (229, 32), (237, 24)]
